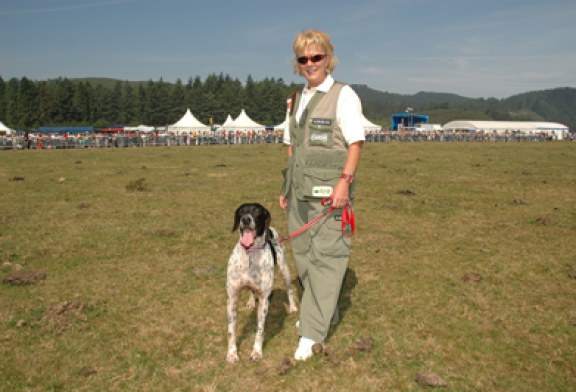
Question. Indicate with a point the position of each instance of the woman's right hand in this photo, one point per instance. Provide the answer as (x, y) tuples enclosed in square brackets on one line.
[(283, 201)]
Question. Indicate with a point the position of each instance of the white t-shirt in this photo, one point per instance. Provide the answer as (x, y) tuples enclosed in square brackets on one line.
[(348, 111)]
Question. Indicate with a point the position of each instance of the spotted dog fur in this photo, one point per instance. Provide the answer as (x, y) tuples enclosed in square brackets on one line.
[(251, 265)]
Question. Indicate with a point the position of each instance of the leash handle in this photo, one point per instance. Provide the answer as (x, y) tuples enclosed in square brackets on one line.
[(348, 218)]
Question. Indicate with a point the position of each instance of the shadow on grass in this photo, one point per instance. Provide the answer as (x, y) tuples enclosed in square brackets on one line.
[(277, 313)]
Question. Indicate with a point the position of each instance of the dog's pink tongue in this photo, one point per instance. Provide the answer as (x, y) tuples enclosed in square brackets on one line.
[(247, 238)]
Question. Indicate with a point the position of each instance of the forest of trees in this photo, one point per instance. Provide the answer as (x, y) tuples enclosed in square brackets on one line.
[(29, 104), (26, 104)]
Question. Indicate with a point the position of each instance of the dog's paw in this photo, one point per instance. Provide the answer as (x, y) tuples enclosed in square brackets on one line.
[(232, 357), (256, 355)]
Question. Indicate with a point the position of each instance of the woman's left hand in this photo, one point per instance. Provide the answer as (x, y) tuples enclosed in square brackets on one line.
[(340, 194)]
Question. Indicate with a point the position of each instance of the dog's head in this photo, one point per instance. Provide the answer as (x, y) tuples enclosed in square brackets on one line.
[(253, 220)]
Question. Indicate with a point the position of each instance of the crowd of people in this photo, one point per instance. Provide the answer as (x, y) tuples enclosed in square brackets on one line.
[(140, 139), (110, 140)]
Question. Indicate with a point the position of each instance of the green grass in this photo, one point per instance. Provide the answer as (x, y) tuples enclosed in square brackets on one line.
[(138, 240)]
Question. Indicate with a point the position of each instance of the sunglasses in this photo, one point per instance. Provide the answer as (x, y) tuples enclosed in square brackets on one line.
[(316, 58)]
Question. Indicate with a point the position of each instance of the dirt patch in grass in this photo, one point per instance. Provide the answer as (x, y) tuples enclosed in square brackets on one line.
[(429, 379), (19, 278), (139, 185), (407, 192), (472, 277), (65, 314)]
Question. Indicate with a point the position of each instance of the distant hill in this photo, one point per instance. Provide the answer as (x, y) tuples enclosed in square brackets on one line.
[(557, 105), (554, 105)]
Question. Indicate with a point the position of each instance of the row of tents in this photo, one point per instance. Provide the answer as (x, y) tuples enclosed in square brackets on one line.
[(188, 123), (243, 122)]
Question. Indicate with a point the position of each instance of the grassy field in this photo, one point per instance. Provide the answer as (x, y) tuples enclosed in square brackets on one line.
[(463, 265)]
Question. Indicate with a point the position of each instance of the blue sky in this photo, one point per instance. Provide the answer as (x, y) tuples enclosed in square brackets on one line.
[(490, 48)]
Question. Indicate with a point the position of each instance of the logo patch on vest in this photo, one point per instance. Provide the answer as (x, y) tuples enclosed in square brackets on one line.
[(321, 191), (319, 137), (322, 121)]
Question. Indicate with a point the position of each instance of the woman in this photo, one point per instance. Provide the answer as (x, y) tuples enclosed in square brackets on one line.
[(325, 135)]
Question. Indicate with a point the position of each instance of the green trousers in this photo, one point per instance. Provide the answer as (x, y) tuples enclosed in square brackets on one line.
[(321, 256)]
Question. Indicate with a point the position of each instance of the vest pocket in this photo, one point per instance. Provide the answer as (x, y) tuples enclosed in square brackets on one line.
[(328, 239), (319, 182), (321, 133)]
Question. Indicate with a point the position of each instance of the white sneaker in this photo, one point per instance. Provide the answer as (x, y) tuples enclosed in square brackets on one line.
[(304, 350)]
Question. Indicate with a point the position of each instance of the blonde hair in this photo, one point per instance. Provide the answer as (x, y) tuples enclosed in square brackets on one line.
[(313, 37)]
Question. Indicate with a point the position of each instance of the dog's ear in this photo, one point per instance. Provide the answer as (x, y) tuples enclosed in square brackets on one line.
[(236, 220), (268, 220)]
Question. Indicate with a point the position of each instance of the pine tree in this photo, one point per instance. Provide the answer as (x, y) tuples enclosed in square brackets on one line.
[(27, 103)]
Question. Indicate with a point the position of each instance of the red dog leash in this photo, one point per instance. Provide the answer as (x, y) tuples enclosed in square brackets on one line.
[(348, 220)]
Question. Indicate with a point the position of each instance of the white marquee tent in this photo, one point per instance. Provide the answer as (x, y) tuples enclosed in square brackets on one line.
[(529, 127), (427, 128), (369, 126), (280, 127), (228, 121), (188, 123), (140, 128), (244, 123), (4, 129)]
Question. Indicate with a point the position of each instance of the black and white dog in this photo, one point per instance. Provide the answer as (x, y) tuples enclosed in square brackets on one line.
[(251, 265)]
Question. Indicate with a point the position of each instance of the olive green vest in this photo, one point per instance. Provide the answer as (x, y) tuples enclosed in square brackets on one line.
[(318, 147)]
